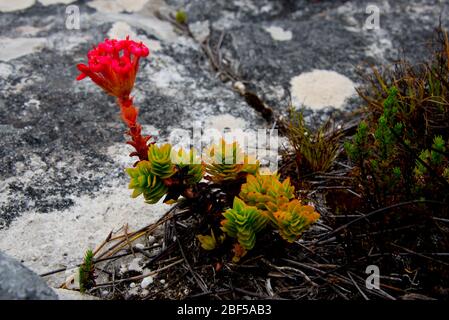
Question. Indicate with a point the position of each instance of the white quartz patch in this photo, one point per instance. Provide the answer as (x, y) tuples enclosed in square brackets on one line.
[(121, 29), (5, 70), (167, 77), (117, 6), (46, 241), (321, 88), (279, 34), (15, 5), (29, 30), (14, 48), (225, 121), (381, 45), (200, 30), (51, 2)]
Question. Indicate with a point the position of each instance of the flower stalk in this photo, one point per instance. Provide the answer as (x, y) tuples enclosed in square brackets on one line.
[(113, 66)]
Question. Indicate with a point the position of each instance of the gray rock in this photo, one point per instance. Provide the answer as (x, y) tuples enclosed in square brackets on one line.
[(56, 131), (20, 283), (64, 294), (63, 152), (61, 155), (326, 35)]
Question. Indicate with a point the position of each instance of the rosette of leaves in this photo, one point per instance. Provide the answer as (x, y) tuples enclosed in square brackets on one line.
[(143, 181), (227, 162), (148, 176), (160, 161), (243, 222), (293, 218), (266, 192), (190, 165)]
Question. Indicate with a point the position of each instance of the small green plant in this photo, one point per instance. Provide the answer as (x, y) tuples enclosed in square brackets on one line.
[(166, 172), (375, 149), (190, 165), (397, 150), (143, 181), (87, 272), (264, 200), (399, 168), (181, 17), (357, 149), (434, 159), (160, 161), (210, 242), (293, 218), (266, 192), (227, 162), (243, 222), (314, 151)]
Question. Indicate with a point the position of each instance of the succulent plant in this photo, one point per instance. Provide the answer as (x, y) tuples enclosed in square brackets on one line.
[(228, 162), (191, 163), (160, 160), (293, 218), (266, 192), (143, 181), (209, 242), (243, 222)]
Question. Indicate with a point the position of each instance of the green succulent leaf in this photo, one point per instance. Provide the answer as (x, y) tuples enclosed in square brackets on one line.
[(191, 162), (160, 160), (227, 162), (266, 192), (143, 181), (293, 218), (243, 222)]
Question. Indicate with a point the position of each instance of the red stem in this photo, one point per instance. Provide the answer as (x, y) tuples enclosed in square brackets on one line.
[(129, 114)]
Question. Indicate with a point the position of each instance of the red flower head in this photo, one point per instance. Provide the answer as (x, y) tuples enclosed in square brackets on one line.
[(113, 65)]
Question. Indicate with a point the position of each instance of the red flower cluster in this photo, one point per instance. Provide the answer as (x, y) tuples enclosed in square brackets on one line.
[(113, 66)]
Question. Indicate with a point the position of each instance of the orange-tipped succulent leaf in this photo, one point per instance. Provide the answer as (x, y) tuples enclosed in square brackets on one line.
[(293, 218)]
